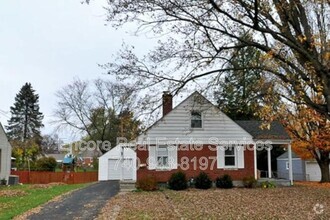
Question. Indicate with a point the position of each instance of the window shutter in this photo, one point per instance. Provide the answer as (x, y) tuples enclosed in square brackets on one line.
[(173, 156), (152, 158), (240, 157), (220, 157)]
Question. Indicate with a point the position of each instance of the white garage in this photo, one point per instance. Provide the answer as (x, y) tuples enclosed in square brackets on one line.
[(313, 171), (118, 164)]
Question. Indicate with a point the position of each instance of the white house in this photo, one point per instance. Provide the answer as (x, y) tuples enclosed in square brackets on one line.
[(5, 155)]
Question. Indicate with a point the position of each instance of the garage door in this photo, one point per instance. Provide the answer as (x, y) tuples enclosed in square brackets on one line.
[(313, 171), (118, 169)]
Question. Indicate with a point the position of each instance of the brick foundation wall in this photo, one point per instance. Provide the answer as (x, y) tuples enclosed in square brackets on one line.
[(192, 168)]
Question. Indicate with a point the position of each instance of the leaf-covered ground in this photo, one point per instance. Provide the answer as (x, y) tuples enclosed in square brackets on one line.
[(299, 202)]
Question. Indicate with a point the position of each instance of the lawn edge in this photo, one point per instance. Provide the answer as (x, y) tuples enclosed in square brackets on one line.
[(37, 209)]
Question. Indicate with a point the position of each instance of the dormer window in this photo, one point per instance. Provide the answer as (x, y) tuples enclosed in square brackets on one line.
[(196, 119)]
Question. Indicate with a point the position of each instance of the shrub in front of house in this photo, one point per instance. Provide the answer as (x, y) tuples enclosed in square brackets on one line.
[(268, 184), (3, 181), (178, 181), (46, 164), (249, 182), (148, 183), (203, 181), (224, 182)]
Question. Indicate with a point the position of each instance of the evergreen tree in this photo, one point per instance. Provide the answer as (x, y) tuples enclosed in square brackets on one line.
[(26, 118), (242, 91)]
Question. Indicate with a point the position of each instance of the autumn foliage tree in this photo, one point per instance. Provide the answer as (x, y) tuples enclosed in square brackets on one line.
[(196, 39), (311, 134)]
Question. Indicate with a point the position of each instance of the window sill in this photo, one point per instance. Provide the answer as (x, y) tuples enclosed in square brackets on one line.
[(230, 168), (163, 169)]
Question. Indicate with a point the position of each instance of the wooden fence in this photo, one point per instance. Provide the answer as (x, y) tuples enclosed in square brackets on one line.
[(40, 177)]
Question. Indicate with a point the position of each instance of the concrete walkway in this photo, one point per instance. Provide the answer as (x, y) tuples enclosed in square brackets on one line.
[(84, 203)]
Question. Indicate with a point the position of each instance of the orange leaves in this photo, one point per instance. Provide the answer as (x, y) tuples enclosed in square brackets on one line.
[(310, 131)]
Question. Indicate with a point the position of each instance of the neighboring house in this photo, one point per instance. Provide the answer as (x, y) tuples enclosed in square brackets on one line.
[(5, 155), (194, 136), (303, 170), (58, 157)]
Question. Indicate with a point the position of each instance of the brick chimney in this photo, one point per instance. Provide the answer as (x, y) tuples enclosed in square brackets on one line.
[(167, 102)]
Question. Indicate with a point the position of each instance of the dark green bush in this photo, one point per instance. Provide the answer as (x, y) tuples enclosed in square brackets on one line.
[(203, 181), (224, 182), (178, 181), (46, 164), (148, 183), (249, 182), (3, 181)]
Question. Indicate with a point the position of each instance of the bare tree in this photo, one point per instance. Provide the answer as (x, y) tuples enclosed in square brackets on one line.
[(196, 39), (94, 109)]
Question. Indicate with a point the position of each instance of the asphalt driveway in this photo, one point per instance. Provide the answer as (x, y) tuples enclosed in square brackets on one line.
[(81, 204)]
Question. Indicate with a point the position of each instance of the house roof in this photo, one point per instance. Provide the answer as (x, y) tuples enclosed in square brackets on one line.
[(275, 132), (285, 155), (175, 125), (161, 118)]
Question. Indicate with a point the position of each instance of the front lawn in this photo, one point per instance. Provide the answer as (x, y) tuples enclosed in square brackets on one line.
[(15, 200), (299, 202)]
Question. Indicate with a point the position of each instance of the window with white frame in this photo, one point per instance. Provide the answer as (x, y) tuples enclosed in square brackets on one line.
[(287, 165), (162, 157), (196, 119), (230, 157)]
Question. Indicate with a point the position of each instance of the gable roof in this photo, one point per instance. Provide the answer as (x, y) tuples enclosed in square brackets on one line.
[(276, 131), (161, 118), (175, 125)]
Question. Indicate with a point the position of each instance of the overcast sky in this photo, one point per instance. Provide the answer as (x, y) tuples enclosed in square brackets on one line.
[(49, 43)]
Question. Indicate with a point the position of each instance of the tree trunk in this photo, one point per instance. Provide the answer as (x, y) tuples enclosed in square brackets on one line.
[(324, 166)]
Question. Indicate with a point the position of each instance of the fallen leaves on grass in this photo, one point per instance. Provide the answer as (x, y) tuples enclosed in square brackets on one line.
[(12, 193), (313, 184), (45, 186), (138, 205), (238, 203)]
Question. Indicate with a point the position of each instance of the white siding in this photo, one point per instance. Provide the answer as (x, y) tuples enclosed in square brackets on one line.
[(5, 160), (106, 166), (174, 128), (313, 171)]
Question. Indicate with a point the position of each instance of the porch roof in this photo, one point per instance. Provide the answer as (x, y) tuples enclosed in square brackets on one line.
[(275, 132)]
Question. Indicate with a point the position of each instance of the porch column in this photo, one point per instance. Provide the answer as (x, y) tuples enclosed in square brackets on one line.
[(290, 164), (269, 160), (255, 160), (121, 163)]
